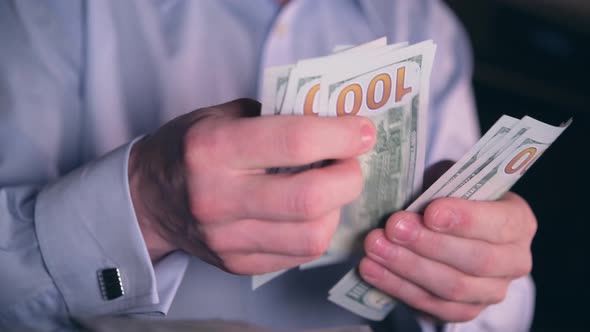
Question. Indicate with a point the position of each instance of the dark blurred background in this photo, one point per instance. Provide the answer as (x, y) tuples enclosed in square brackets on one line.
[(532, 57)]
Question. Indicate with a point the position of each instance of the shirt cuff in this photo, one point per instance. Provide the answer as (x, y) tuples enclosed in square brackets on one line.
[(85, 222), (169, 274)]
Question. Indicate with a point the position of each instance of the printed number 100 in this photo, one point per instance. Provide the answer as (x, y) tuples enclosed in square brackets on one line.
[(356, 90)]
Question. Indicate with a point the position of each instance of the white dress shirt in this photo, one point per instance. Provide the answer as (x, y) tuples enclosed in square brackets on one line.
[(79, 80)]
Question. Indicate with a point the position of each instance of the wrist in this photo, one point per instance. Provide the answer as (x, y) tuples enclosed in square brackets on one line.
[(140, 183)]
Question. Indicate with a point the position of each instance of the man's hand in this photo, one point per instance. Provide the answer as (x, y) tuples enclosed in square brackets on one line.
[(200, 184), (456, 260)]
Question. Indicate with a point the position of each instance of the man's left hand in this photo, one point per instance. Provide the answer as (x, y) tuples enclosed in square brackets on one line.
[(454, 261)]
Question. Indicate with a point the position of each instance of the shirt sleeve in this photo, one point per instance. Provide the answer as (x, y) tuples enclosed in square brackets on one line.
[(56, 239), (60, 223), (85, 223)]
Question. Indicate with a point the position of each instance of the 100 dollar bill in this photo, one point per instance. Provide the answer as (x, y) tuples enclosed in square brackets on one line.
[(487, 172), (392, 90), (388, 84)]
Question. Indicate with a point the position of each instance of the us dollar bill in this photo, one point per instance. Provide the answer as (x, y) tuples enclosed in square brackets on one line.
[(274, 89), (453, 185), (390, 85), (282, 89), (361, 298), (261, 279), (393, 171), (487, 142), (498, 177), (486, 172), (392, 88), (303, 87)]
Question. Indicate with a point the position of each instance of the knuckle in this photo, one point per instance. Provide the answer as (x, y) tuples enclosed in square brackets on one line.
[(295, 142), (191, 146), (456, 290), (307, 201), (317, 242), (484, 261), (521, 224), (204, 209), (423, 301), (499, 295), (393, 286), (435, 244), (506, 232), (202, 146), (528, 227)]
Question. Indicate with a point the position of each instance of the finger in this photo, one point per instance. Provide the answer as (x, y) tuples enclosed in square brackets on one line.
[(439, 279), (473, 257), (415, 296), (308, 239), (282, 141), (300, 196), (508, 220), (252, 264)]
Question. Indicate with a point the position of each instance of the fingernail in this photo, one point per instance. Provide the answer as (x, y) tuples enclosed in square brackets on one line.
[(371, 271), (381, 250), (444, 219), (367, 135), (405, 231)]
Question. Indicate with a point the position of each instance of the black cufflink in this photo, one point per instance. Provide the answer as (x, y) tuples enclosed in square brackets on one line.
[(111, 286)]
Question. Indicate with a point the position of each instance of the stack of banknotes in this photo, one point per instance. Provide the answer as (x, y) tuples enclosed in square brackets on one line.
[(390, 85)]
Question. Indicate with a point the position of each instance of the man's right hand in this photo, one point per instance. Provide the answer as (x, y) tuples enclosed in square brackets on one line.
[(200, 184)]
